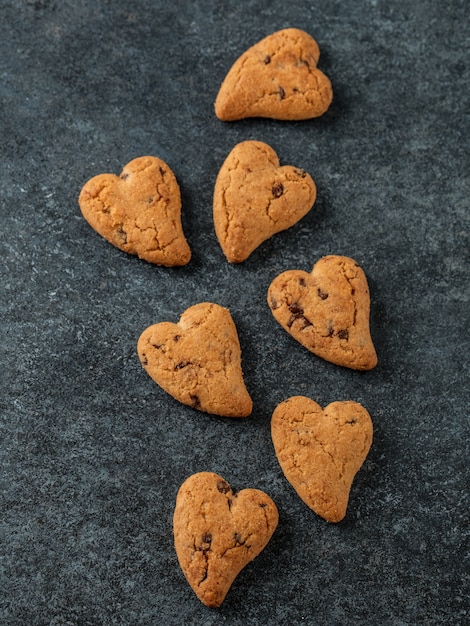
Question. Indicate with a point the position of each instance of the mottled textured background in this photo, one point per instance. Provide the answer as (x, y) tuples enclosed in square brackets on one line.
[(92, 452)]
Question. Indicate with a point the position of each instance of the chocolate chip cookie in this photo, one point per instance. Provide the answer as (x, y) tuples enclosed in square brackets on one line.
[(255, 197), (321, 450), (139, 211), (217, 532), (327, 311), (198, 360), (276, 78)]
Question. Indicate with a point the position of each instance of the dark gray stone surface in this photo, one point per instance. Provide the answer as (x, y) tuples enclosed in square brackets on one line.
[(92, 451)]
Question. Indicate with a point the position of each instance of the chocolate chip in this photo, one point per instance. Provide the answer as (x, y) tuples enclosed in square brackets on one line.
[(278, 190), (306, 322), (182, 364), (302, 282), (124, 176), (322, 294), (207, 538), (295, 309), (297, 313), (176, 338), (121, 233), (196, 403), (343, 334), (223, 486), (301, 173), (238, 539), (282, 93), (267, 59), (274, 303)]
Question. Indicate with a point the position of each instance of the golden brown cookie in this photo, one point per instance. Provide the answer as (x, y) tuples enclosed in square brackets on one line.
[(217, 532), (139, 211), (321, 450), (277, 78), (327, 311), (254, 198), (198, 360)]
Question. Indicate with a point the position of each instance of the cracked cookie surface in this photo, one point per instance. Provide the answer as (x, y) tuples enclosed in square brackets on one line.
[(217, 532), (139, 211), (198, 360), (276, 78), (255, 197), (327, 311), (321, 450)]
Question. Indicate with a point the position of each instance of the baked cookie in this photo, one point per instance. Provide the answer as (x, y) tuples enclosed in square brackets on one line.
[(327, 311), (198, 360), (254, 198), (277, 78), (139, 211), (321, 450), (217, 532)]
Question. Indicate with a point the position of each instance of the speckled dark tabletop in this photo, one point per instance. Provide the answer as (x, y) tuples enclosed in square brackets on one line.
[(92, 452)]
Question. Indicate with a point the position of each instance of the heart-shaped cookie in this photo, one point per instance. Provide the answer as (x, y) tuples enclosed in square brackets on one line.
[(327, 311), (254, 198), (139, 211), (277, 78), (198, 360), (321, 450), (217, 532)]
